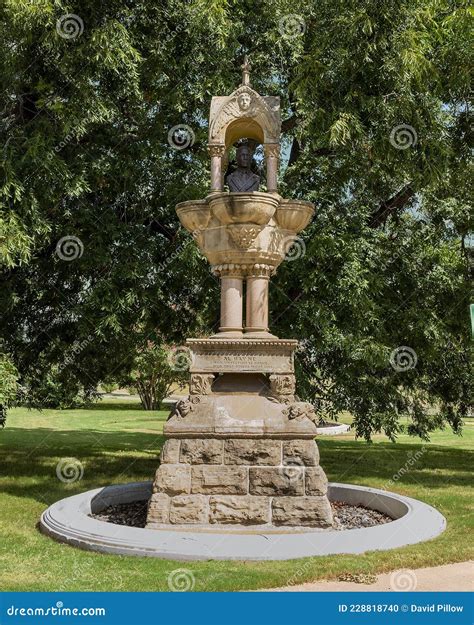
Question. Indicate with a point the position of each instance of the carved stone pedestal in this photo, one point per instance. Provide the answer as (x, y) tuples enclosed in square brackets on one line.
[(240, 449)]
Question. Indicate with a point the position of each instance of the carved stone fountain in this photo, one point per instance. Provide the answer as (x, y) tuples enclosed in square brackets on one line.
[(240, 449), (239, 477)]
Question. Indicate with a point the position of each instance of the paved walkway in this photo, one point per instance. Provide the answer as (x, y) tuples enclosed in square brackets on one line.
[(449, 577)]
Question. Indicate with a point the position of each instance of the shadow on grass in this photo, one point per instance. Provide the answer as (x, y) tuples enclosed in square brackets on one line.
[(122, 405), (29, 467), (427, 466), (29, 458)]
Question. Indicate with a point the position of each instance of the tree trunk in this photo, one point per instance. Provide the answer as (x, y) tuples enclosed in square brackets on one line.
[(146, 395)]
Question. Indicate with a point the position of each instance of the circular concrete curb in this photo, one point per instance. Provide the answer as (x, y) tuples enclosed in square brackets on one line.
[(67, 520), (333, 430)]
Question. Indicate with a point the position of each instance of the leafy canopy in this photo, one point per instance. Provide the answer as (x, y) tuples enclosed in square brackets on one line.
[(85, 123)]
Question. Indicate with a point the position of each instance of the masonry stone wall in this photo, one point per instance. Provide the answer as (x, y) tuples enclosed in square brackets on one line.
[(241, 481)]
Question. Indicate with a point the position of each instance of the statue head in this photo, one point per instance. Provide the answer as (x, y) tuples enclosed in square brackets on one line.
[(244, 101), (243, 156)]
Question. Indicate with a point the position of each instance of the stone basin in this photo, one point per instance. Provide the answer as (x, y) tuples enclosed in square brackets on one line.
[(68, 521), (294, 215), (194, 214), (239, 208)]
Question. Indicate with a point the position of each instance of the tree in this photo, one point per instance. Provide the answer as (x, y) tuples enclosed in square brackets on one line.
[(377, 124), (156, 370), (8, 386)]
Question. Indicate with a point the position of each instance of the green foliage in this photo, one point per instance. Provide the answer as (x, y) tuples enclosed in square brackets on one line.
[(8, 380), (84, 126), (153, 375), (109, 387), (8, 385)]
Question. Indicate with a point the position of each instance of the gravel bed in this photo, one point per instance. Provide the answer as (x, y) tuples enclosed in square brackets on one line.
[(346, 517), (132, 514)]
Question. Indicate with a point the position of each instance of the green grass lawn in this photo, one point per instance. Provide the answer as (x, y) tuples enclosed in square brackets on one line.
[(117, 442)]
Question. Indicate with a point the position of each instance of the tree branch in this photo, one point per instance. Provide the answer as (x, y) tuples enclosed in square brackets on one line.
[(394, 204), (289, 124), (294, 152)]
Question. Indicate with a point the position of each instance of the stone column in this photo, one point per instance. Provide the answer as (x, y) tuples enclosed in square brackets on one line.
[(231, 304), (257, 300), (231, 298), (272, 156), (216, 152)]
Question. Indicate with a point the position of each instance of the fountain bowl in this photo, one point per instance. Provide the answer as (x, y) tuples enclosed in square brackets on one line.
[(194, 215), (239, 208), (294, 215)]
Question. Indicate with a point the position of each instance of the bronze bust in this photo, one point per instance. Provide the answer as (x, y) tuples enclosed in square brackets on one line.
[(243, 179)]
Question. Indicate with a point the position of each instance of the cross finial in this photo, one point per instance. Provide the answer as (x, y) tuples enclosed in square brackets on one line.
[(246, 71)]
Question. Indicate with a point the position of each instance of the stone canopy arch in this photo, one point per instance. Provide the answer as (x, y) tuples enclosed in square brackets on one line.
[(243, 128), (244, 114), (244, 109)]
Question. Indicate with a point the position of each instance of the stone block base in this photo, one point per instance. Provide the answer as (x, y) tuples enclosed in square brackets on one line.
[(246, 481)]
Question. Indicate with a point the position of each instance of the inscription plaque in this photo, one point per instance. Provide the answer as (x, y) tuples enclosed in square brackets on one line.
[(244, 357)]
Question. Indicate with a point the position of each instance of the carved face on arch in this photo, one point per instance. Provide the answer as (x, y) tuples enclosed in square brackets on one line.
[(244, 100)]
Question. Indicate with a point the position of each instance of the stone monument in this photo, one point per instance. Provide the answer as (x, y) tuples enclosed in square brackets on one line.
[(240, 449)]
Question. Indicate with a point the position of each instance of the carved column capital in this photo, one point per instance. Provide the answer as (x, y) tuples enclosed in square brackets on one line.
[(272, 150), (272, 156), (260, 270), (216, 150), (229, 270)]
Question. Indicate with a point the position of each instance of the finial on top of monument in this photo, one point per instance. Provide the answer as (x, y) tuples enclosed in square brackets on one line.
[(246, 67), (244, 114)]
